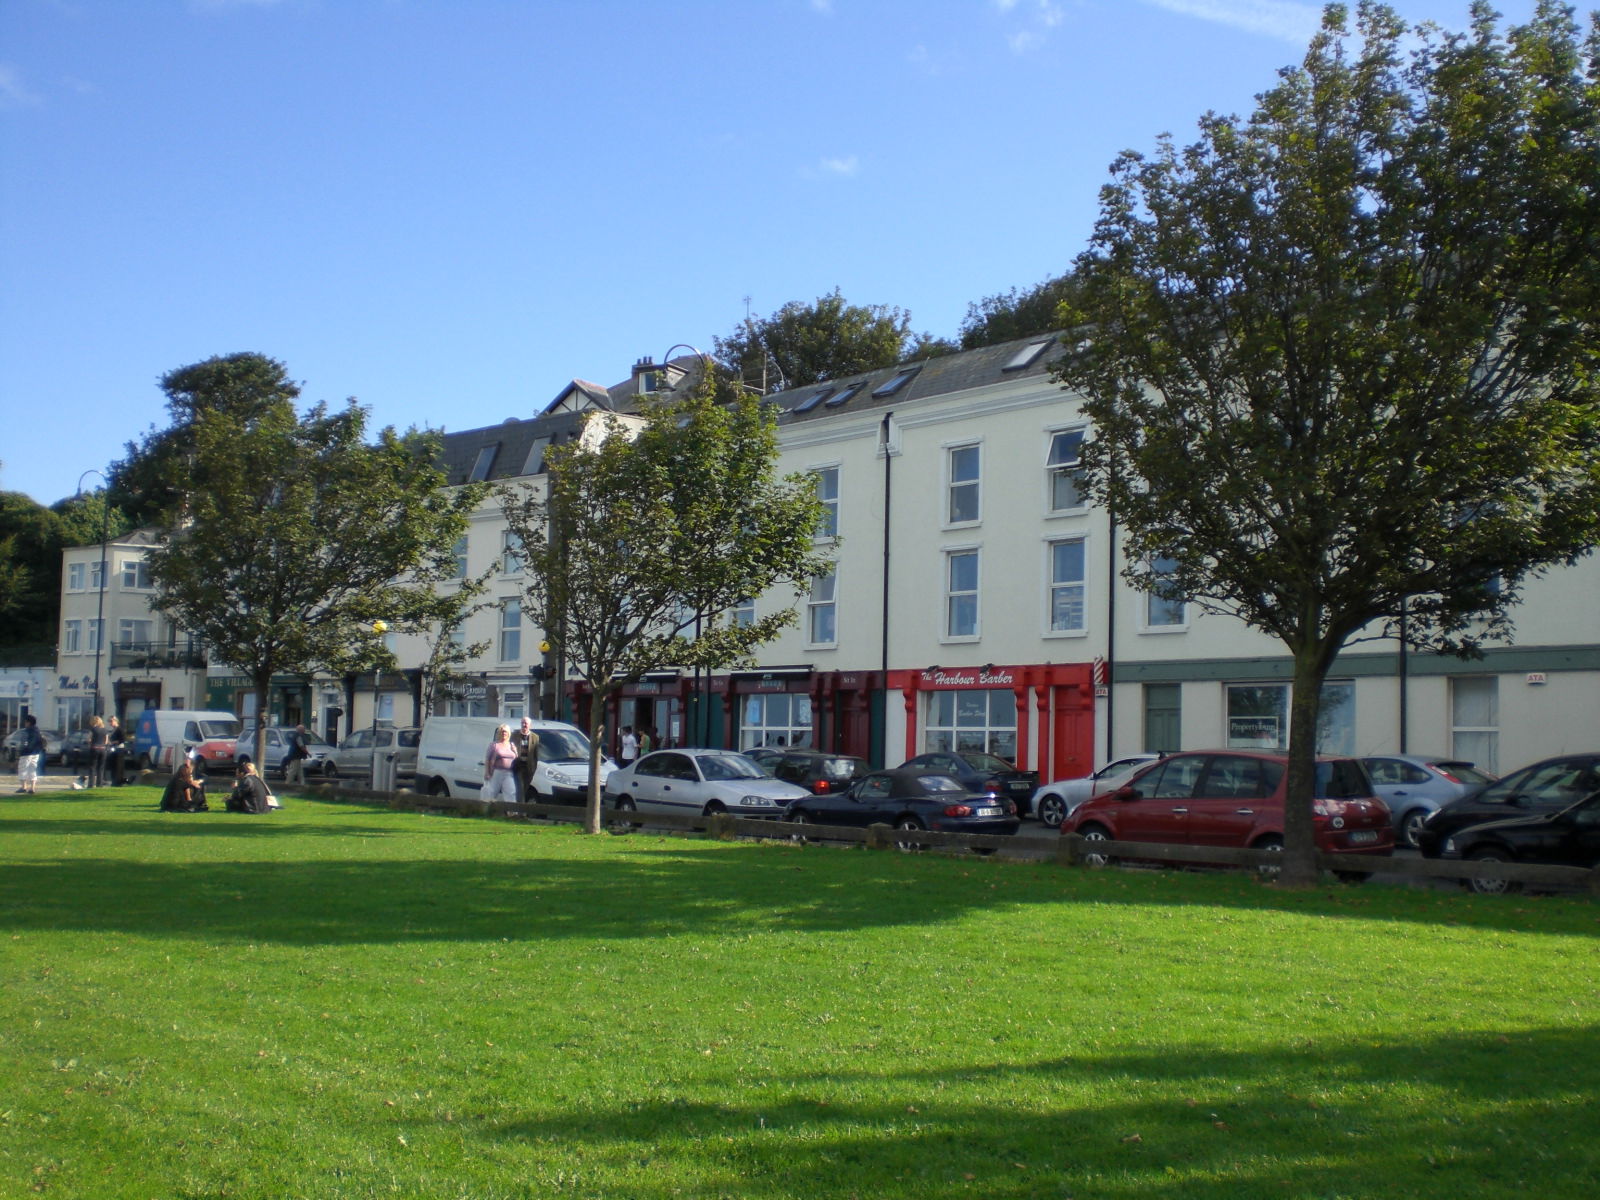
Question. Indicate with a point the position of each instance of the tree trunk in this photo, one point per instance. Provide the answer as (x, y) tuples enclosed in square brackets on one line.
[(597, 728), (1299, 845)]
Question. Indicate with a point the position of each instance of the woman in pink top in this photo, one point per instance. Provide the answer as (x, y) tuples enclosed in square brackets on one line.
[(500, 780)]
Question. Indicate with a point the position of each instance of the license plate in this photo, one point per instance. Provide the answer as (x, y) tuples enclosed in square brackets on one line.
[(986, 811), (1017, 786), (1363, 837)]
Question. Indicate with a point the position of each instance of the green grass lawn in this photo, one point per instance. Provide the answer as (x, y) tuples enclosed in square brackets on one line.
[(342, 1001)]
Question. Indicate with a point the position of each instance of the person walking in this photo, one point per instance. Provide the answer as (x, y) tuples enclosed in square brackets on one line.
[(98, 746), (30, 755), (499, 767), (294, 763), (628, 750), (527, 743)]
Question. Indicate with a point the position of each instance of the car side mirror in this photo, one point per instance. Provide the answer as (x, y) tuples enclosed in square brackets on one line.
[(1127, 792)]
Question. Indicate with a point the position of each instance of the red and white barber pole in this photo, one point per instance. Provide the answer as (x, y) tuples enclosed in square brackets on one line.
[(1102, 676)]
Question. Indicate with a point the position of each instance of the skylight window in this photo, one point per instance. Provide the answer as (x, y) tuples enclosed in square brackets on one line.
[(844, 396), (1026, 356), (535, 463), (812, 401), (898, 382), (480, 469)]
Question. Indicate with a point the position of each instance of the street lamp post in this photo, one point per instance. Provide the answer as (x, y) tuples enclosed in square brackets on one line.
[(100, 614), (379, 628)]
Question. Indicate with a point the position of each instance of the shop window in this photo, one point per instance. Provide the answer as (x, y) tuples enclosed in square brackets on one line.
[(971, 721), (775, 719), (1258, 717)]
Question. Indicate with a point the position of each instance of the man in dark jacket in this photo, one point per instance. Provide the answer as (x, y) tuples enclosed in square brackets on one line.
[(249, 795)]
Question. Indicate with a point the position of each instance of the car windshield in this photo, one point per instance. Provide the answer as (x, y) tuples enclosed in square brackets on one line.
[(729, 766), (940, 783), (219, 729), (562, 745), (1342, 779), (988, 762)]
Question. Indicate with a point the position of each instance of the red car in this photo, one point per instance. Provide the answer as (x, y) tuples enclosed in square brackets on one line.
[(1235, 798)]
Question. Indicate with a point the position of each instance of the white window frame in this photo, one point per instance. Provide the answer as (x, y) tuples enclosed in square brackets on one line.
[(817, 605), (77, 577), (1160, 565), (1470, 740), (139, 571), (951, 483), (1052, 469), (459, 551), (826, 474), (93, 626), (974, 594), (510, 553), (97, 570), (743, 614), (1052, 585), (510, 629), (129, 628), (72, 637)]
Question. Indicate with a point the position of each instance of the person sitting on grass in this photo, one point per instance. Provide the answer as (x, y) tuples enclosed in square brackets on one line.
[(184, 793), (249, 795)]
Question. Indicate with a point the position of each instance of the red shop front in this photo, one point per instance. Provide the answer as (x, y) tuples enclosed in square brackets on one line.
[(1039, 717)]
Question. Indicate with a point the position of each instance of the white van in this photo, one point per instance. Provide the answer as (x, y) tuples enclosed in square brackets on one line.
[(162, 736), (451, 753)]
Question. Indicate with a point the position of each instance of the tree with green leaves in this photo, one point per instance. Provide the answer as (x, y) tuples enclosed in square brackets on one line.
[(809, 343), (299, 536), (1008, 316), (1341, 356), (148, 482), (649, 530)]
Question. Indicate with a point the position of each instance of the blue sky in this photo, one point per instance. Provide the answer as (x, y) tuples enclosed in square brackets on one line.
[(448, 209)]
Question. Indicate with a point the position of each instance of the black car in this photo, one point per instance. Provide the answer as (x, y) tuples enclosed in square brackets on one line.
[(982, 773), (908, 798), (1545, 787), (1568, 837), (75, 749), (818, 771)]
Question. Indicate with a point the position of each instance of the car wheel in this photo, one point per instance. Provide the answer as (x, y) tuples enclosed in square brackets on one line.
[(1411, 825), (713, 808), (1091, 856), (908, 824), (1052, 811), (801, 819), (329, 771), (625, 804), (1274, 844), (438, 787), (1490, 887)]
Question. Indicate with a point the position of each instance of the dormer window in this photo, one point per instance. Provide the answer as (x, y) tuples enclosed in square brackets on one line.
[(899, 381), (1027, 355), (481, 468)]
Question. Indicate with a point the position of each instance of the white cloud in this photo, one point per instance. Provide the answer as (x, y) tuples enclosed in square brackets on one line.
[(840, 166), (824, 7), (1035, 19), (1283, 19), (13, 92)]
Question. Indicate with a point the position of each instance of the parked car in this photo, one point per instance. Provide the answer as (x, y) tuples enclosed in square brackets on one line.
[(1235, 798), (1055, 800), (700, 781), (910, 798), (277, 750), (817, 771), (1548, 786), (75, 749), (1415, 786), (52, 745), (980, 772), (1568, 837), (353, 756)]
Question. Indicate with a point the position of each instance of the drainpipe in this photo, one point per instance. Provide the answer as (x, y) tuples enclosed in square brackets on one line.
[(888, 492), (1111, 622)]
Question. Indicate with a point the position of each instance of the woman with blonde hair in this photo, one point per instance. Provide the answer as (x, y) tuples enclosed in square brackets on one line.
[(184, 793), (500, 768)]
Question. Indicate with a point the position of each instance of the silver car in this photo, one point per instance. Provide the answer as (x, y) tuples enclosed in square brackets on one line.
[(353, 756), (691, 782), (1415, 786), (1054, 801), (278, 750)]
